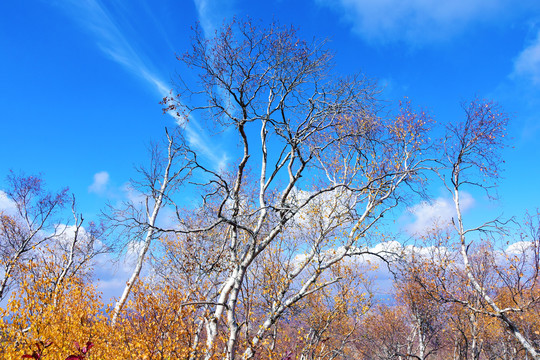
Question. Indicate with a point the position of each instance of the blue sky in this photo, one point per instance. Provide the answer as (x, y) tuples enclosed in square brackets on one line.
[(81, 80)]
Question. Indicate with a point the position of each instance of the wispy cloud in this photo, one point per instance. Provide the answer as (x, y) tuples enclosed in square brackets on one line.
[(101, 181), (113, 42), (212, 13), (527, 63), (420, 21), (198, 139)]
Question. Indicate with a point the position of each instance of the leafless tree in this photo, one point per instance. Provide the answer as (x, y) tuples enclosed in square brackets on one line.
[(137, 219), (318, 167), (472, 157), (33, 231), (32, 223)]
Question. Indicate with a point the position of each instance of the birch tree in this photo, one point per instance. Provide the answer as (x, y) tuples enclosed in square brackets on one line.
[(317, 168), (472, 158), (72, 251), (136, 220), (32, 223)]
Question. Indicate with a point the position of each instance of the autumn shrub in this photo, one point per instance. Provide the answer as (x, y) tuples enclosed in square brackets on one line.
[(42, 311), (156, 324)]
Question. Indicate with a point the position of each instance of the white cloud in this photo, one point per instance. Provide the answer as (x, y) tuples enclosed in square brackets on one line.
[(328, 209), (113, 42), (527, 64), (6, 204), (212, 13), (111, 275), (520, 248), (199, 139), (133, 195), (437, 214), (99, 186), (66, 233), (420, 21)]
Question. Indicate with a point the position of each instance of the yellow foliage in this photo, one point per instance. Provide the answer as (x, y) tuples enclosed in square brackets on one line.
[(153, 327)]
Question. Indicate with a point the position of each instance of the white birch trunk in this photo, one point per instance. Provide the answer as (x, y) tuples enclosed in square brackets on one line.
[(140, 260), (149, 234), (481, 291)]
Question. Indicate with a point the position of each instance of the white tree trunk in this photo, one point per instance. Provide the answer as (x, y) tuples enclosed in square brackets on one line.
[(497, 311)]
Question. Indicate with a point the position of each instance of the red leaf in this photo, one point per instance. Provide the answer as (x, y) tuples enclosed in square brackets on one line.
[(34, 355), (88, 346)]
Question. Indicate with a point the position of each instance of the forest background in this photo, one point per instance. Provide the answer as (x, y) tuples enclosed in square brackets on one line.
[(498, 60)]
